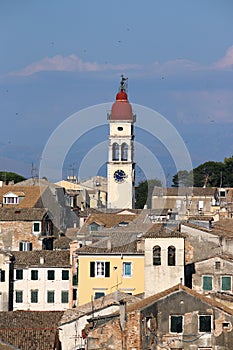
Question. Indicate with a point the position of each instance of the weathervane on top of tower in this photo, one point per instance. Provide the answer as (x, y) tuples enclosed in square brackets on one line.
[(124, 84)]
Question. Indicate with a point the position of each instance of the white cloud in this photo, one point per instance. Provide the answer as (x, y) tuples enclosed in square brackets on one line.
[(73, 63), (226, 62), (70, 63)]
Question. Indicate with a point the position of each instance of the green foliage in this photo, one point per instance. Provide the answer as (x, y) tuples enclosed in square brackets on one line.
[(9, 176), (183, 178), (208, 174), (143, 193)]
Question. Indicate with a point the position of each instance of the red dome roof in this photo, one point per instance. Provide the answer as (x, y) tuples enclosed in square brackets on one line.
[(122, 95), (121, 110)]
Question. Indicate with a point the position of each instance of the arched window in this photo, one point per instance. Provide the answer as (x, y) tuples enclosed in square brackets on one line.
[(171, 256), (115, 151), (156, 255), (124, 151)]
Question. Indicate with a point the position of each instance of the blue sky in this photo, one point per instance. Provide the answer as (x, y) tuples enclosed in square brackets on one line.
[(59, 57)]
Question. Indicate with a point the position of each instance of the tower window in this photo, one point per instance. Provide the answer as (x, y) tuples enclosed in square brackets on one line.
[(120, 128), (171, 256), (115, 151), (156, 255), (124, 151)]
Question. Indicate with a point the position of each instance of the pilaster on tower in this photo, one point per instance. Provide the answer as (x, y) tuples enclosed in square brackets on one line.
[(121, 166)]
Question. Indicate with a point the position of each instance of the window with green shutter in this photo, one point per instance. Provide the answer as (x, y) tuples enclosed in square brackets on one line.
[(176, 324), (19, 296), (34, 275), (51, 275), (19, 274), (207, 282), (64, 296), (205, 323), (226, 283), (65, 275), (34, 296), (50, 296)]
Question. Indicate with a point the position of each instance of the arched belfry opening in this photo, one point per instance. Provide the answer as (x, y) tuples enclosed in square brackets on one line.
[(124, 152), (115, 152)]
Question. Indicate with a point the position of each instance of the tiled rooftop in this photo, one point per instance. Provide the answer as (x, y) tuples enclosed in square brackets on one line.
[(52, 258), (32, 330)]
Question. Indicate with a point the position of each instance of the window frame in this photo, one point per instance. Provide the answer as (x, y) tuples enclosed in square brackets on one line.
[(50, 296), (33, 227), (36, 277), (171, 255), (34, 296), (25, 246), (156, 255), (64, 296), (100, 296), (65, 275), (2, 275), (50, 275), (19, 274), (94, 270), (124, 264), (170, 324), (19, 296), (199, 323), (207, 277), (229, 277)]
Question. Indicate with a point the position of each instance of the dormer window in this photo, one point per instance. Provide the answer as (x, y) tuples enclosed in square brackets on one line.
[(13, 198)]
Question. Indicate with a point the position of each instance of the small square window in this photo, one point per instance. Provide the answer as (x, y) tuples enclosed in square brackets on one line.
[(205, 323), (19, 296), (34, 296), (36, 227), (34, 275), (50, 296), (176, 324), (99, 295), (217, 265), (51, 275), (19, 274), (65, 275), (64, 296)]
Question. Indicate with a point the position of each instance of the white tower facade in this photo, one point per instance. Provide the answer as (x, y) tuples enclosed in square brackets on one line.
[(121, 166)]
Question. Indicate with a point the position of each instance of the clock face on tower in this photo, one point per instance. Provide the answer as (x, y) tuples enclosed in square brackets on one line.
[(119, 176)]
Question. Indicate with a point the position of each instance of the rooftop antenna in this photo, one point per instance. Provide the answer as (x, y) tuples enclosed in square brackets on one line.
[(34, 173)]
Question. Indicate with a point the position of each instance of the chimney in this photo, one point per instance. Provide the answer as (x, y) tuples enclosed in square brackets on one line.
[(122, 314), (41, 260), (109, 245)]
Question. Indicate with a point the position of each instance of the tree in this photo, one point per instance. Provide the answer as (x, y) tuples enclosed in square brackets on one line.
[(10, 176), (143, 193), (208, 174), (183, 178)]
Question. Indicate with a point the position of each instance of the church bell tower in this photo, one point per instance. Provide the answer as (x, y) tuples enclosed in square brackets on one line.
[(121, 166)]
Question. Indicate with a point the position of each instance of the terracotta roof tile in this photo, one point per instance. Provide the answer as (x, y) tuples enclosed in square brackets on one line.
[(183, 191), (22, 214), (98, 304), (147, 301), (52, 258), (30, 329)]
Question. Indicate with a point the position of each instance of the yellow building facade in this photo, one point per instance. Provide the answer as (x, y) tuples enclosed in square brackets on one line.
[(101, 274)]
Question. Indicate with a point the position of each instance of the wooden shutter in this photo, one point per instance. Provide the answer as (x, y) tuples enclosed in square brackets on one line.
[(107, 269), (92, 269)]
